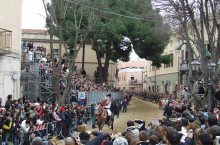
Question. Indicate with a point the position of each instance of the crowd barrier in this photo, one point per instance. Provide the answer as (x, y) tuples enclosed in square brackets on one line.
[(97, 96), (19, 136)]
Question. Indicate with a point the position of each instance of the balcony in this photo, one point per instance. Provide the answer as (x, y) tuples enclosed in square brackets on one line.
[(134, 81), (5, 41)]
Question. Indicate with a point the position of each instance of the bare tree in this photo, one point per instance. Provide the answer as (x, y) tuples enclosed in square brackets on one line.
[(56, 11), (194, 20)]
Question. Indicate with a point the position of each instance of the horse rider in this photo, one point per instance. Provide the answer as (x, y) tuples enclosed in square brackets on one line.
[(107, 106)]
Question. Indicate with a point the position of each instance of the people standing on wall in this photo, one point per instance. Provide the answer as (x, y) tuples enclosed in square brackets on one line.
[(42, 69)]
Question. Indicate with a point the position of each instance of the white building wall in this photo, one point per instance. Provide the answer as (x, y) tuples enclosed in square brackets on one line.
[(10, 12)]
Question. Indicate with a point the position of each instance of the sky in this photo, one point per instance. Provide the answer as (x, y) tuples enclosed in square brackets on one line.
[(33, 14), (33, 17)]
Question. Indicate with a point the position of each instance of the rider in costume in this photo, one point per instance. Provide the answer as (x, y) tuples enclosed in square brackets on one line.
[(107, 106)]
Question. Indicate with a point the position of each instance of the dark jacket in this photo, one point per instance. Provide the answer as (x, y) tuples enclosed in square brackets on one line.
[(214, 130), (98, 139)]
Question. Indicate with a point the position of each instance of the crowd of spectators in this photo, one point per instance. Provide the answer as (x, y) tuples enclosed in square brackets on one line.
[(181, 125), (20, 118), (80, 80)]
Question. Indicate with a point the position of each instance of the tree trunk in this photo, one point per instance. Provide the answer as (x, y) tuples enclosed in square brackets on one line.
[(106, 65), (100, 73), (55, 78)]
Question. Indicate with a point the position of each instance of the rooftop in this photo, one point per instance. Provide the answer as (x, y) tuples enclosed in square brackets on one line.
[(34, 31)]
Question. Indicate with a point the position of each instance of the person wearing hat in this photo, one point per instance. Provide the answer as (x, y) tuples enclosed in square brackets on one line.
[(107, 106), (120, 141)]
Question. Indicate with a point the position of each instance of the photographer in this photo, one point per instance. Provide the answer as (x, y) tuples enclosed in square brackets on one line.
[(132, 128), (141, 124), (84, 137)]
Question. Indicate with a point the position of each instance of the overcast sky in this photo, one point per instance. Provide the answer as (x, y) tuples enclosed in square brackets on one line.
[(33, 14), (33, 17)]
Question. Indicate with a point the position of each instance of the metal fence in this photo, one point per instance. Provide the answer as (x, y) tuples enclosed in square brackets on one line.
[(97, 96)]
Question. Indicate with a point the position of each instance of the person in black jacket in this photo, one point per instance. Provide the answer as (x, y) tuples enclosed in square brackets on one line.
[(168, 110)]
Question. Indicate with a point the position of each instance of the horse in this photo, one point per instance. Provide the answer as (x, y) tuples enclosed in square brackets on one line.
[(102, 118), (116, 107)]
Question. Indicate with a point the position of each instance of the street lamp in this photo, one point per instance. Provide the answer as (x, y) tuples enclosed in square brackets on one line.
[(211, 68), (195, 65)]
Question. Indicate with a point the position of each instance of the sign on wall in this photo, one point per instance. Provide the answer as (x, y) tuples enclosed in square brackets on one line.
[(81, 95)]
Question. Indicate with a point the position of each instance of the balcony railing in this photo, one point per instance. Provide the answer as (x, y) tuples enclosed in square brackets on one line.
[(5, 41), (133, 81)]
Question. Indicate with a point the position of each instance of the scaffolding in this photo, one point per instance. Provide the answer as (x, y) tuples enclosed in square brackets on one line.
[(34, 84)]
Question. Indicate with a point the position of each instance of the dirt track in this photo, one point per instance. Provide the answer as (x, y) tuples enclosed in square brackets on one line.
[(137, 109)]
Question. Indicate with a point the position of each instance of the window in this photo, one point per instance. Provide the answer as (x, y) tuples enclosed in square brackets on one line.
[(132, 78), (171, 56), (5, 39), (182, 56), (186, 55), (171, 42), (171, 63), (153, 68)]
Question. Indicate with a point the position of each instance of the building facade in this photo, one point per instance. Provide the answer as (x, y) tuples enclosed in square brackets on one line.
[(130, 74), (10, 52), (166, 78)]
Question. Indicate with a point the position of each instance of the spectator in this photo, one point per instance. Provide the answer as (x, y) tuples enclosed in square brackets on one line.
[(120, 141), (8, 102), (84, 137), (143, 137), (132, 128), (205, 139), (70, 141), (212, 127), (37, 141), (141, 124), (124, 105)]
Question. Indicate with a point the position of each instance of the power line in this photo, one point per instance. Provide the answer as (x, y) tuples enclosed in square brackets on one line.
[(111, 13)]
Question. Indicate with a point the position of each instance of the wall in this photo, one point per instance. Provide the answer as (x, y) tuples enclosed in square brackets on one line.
[(133, 68), (90, 62), (166, 73), (10, 63)]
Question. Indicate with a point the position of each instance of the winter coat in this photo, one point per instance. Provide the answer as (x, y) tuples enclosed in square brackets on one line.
[(214, 130), (134, 130)]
